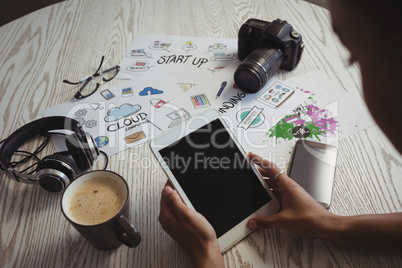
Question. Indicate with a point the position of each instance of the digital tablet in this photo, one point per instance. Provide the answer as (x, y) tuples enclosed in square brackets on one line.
[(210, 171)]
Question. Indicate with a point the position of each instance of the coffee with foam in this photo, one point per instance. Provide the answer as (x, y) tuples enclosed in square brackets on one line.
[(95, 201)]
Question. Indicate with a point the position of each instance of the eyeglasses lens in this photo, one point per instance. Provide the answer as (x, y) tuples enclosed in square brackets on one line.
[(109, 71), (90, 85)]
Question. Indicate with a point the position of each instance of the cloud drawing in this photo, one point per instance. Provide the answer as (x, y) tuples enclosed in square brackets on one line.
[(119, 112), (152, 91)]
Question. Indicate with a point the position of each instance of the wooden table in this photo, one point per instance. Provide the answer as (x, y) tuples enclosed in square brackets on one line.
[(41, 49)]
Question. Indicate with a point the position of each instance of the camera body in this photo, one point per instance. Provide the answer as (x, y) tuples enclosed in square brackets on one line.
[(279, 34), (275, 45)]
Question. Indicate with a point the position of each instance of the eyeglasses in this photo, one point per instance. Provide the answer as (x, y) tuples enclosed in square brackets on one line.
[(90, 85)]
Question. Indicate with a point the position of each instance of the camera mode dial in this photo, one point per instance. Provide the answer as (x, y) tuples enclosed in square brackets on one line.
[(294, 34)]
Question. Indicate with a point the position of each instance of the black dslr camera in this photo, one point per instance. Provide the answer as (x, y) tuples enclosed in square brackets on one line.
[(264, 47)]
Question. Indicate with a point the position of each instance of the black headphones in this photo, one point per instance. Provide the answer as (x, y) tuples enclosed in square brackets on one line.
[(54, 172)]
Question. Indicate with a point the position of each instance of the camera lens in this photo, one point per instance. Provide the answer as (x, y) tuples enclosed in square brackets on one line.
[(255, 71)]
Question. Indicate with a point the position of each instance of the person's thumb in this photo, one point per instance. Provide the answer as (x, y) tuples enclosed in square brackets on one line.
[(173, 199), (264, 222)]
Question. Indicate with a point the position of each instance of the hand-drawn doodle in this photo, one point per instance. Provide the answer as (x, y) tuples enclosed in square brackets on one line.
[(181, 59), (307, 121), (96, 106), (138, 54), (223, 85), (81, 112), (301, 132), (124, 110), (139, 66), (275, 95), (149, 121), (178, 116), (135, 137), (250, 117), (223, 56), (200, 101), (150, 91), (80, 120), (231, 102), (157, 103), (128, 122), (158, 45), (91, 123), (101, 141), (217, 68), (189, 46), (127, 92), (217, 47), (107, 94)]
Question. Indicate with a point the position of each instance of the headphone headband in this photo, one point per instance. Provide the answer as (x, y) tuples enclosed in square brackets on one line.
[(33, 129), (54, 172)]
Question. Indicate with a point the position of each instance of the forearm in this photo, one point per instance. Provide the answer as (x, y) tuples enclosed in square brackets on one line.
[(383, 231), (211, 258)]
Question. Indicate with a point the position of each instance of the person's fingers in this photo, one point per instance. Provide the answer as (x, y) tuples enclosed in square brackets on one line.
[(278, 195), (269, 169), (173, 200), (164, 206), (263, 171), (168, 183), (165, 209), (166, 214), (265, 222), (269, 181)]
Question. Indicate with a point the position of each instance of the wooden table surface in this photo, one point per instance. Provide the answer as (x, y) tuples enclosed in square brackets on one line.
[(41, 49)]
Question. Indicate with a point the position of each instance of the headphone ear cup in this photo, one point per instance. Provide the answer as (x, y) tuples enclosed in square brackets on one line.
[(56, 172), (77, 151)]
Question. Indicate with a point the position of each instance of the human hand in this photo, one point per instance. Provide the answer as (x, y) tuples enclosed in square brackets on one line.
[(189, 229), (300, 213)]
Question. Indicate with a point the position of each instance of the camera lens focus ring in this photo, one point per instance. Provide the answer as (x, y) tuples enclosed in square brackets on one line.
[(255, 71)]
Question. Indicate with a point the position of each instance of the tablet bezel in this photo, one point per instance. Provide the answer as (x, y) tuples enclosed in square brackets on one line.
[(240, 230)]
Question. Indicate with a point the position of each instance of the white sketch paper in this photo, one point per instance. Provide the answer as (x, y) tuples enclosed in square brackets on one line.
[(118, 117), (317, 110), (187, 59)]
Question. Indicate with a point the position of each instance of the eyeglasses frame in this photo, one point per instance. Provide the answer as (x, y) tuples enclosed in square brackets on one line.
[(86, 80)]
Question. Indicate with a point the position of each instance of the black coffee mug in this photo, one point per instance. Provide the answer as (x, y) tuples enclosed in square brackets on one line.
[(110, 232)]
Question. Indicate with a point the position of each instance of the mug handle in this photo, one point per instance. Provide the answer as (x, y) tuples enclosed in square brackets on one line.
[(128, 234)]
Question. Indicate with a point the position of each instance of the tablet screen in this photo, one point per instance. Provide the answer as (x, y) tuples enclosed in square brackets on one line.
[(215, 176)]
